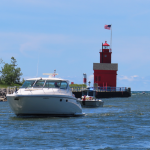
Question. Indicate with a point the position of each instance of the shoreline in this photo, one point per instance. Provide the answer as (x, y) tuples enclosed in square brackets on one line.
[(3, 92)]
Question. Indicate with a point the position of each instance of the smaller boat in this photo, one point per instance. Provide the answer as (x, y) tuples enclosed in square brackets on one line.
[(143, 92), (88, 99)]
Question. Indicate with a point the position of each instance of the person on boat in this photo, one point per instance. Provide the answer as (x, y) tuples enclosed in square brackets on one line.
[(84, 97), (56, 85)]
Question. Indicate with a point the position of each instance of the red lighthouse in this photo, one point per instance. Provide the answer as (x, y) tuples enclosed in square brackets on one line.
[(105, 72)]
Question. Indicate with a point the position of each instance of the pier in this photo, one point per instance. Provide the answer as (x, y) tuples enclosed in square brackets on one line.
[(111, 92)]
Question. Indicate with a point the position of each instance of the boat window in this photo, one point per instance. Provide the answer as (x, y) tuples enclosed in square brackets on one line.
[(90, 93), (63, 85), (56, 84), (84, 93), (52, 84), (39, 84), (28, 83)]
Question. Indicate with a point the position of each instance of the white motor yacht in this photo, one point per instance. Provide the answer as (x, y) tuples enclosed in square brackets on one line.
[(44, 96)]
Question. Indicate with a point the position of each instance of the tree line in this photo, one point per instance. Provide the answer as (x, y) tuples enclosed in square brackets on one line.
[(10, 74), (77, 85)]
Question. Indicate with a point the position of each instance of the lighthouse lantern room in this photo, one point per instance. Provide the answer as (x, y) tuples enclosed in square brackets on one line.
[(105, 54), (105, 72)]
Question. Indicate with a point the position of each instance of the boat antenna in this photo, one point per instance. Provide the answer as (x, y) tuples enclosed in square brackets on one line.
[(51, 75), (37, 66), (54, 73)]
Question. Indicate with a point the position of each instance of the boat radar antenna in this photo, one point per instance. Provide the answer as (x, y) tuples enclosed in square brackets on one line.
[(51, 74)]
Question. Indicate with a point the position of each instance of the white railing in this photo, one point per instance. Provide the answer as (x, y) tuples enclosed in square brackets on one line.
[(11, 90), (77, 89), (54, 91), (101, 89)]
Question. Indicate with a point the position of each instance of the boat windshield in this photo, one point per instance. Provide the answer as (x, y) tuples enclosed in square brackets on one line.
[(84, 93), (39, 84), (42, 84), (28, 83), (90, 93)]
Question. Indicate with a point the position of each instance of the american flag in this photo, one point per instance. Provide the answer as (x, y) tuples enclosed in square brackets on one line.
[(107, 27)]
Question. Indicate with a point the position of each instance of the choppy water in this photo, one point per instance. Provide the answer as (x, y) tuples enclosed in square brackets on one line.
[(123, 123)]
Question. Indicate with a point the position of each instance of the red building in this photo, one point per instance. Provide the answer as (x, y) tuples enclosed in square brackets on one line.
[(105, 72)]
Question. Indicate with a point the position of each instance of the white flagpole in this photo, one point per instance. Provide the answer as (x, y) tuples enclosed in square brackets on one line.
[(111, 41), (37, 65), (111, 38)]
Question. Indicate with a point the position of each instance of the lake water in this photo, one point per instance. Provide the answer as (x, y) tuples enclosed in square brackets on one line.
[(123, 123)]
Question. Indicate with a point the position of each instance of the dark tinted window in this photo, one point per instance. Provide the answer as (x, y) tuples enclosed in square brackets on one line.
[(28, 83), (39, 84), (56, 84), (84, 93), (90, 93), (52, 84), (63, 85)]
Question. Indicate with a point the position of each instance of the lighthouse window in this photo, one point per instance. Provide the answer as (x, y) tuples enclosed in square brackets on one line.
[(95, 78), (105, 47), (99, 78), (105, 55)]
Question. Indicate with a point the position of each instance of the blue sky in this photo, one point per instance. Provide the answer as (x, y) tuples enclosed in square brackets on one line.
[(66, 35)]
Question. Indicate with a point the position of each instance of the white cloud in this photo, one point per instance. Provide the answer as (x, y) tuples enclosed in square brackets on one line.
[(91, 79), (134, 76), (131, 50), (47, 3), (30, 42), (47, 43), (136, 82), (131, 78)]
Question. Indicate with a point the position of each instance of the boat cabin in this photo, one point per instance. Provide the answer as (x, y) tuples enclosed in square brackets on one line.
[(88, 94), (45, 83)]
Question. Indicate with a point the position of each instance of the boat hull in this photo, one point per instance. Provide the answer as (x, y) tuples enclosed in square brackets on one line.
[(44, 105), (90, 104)]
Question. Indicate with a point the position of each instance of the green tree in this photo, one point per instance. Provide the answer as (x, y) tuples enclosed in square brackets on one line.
[(77, 85), (23, 80), (1, 61), (10, 73)]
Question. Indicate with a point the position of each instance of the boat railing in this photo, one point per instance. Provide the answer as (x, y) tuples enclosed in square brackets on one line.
[(11, 90), (101, 89), (78, 89)]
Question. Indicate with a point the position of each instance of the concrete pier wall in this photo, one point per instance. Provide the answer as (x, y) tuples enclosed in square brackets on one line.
[(78, 94), (107, 94)]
